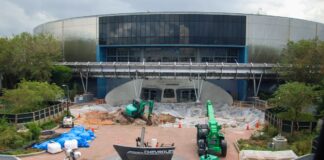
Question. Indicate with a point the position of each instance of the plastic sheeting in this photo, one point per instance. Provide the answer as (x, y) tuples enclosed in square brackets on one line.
[(190, 114), (78, 133)]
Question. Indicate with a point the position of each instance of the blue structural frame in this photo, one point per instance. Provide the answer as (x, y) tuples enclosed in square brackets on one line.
[(101, 82), (101, 56), (242, 85)]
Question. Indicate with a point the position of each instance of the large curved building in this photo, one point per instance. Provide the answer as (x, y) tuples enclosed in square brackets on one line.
[(178, 37)]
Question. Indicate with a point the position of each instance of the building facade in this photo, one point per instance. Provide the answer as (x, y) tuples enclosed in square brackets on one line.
[(178, 37)]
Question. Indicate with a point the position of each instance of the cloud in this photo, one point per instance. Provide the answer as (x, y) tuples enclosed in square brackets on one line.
[(13, 19), (23, 15)]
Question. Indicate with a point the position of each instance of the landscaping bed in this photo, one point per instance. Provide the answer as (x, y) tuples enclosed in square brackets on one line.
[(17, 140), (299, 142)]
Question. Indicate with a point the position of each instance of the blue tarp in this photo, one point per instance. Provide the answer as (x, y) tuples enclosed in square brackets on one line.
[(78, 133)]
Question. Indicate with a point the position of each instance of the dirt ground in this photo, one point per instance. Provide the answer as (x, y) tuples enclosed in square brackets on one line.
[(184, 138)]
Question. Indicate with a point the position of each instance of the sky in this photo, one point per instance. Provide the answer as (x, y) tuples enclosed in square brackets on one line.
[(18, 16)]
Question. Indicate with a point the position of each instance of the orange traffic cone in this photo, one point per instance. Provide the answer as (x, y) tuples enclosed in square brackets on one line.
[(257, 124), (247, 127), (180, 125), (79, 116)]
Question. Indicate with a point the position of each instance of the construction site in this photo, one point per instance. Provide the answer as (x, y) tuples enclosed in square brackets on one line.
[(163, 86), (172, 123), (184, 116)]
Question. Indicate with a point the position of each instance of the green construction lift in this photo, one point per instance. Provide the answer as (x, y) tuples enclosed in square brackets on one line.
[(211, 142)]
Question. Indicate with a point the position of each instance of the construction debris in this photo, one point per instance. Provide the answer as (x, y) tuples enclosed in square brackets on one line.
[(171, 114)]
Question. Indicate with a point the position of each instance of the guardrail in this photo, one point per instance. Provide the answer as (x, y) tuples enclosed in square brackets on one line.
[(259, 104), (46, 113), (287, 125)]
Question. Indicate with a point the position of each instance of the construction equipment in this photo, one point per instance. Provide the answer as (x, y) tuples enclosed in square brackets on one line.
[(208, 157), (72, 154), (145, 150), (137, 108), (68, 122), (209, 138)]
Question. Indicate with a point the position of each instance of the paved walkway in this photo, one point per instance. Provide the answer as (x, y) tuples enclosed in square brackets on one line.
[(184, 138)]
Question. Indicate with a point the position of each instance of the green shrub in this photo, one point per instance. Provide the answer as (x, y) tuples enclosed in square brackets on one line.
[(35, 130), (28, 136), (11, 139), (48, 125), (270, 130), (248, 144), (302, 147), (301, 142)]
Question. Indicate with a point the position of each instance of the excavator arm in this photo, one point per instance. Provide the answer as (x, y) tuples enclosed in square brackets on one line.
[(213, 137)]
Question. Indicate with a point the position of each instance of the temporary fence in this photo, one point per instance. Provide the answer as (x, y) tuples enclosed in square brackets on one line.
[(46, 113), (287, 125), (257, 103)]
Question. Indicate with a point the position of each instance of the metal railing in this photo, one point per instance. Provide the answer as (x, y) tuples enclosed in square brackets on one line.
[(46, 113), (258, 104), (175, 70), (287, 125)]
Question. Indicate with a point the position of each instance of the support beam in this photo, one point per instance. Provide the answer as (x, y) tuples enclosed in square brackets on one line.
[(84, 77), (179, 70)]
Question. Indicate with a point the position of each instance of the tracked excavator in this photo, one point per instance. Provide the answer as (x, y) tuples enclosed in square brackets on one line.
[(137, 109), (211, 142)]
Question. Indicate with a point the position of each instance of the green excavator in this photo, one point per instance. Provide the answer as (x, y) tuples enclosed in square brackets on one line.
[(137, 109), (211, 142)]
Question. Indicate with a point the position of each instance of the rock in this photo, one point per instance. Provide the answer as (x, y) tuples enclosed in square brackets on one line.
[(120, 118), (164, 118), (233, 125), (139, 122), (155, 120)]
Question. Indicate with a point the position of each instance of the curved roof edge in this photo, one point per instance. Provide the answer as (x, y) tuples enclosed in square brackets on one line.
[(173, 12)]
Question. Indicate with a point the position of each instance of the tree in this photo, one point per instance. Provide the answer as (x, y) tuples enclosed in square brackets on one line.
[(306, 58), (61, 75), (27, 56), (30, 96), (295, 97), (320, 99), (7, 68)]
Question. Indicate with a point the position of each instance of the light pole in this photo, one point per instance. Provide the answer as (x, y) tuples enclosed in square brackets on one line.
[(67, 99)]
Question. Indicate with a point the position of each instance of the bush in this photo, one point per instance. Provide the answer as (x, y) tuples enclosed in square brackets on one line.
[(11, 139), (302, 147), (301, 142), (48, 125), (35, 130), (248, 144), (270, 130)]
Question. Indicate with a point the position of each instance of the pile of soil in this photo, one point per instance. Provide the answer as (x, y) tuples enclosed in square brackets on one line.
[(110, 118)]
